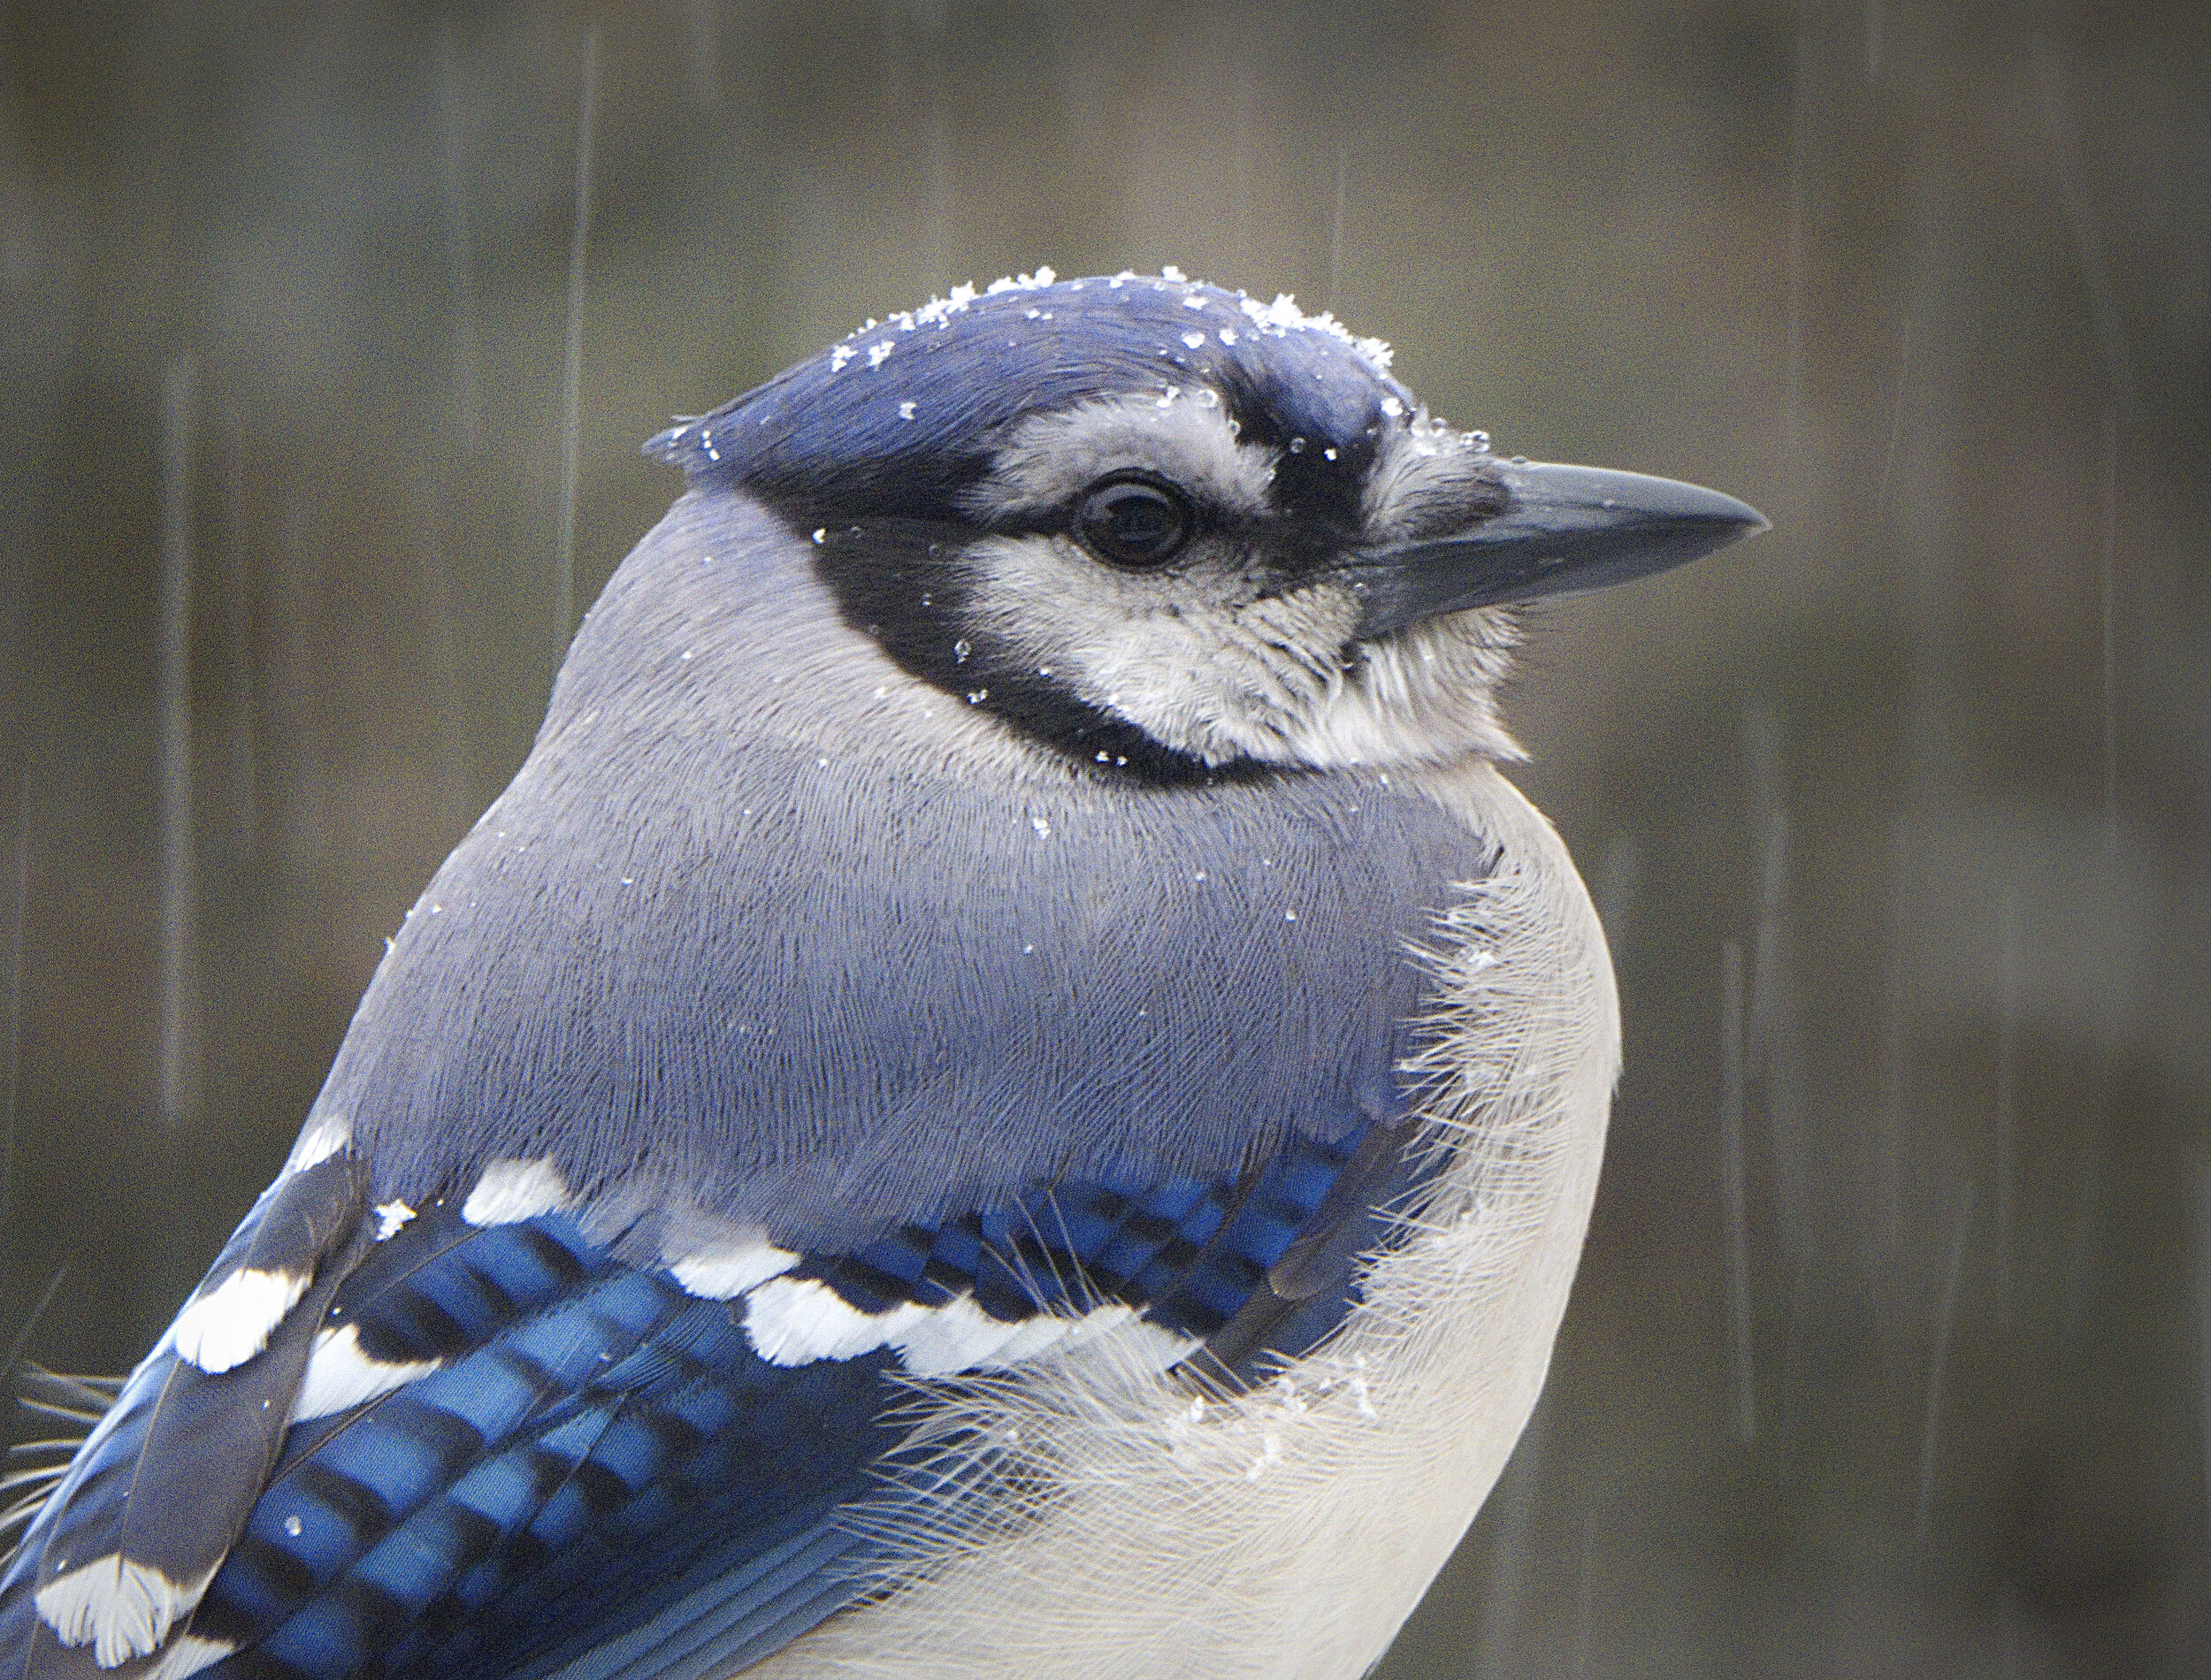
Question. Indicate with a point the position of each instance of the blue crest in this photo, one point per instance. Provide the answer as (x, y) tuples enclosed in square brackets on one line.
[(896, 419)]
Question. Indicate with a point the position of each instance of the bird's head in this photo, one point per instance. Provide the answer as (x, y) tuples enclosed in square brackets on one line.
[(1169, 532)]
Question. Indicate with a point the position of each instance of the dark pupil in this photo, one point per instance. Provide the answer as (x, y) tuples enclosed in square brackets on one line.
[(1139, 517), (1132, 523)]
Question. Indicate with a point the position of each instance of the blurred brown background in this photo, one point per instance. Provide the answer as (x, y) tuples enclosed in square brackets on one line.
[(1889, 1354)]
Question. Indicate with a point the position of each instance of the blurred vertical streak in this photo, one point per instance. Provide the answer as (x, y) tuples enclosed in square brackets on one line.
[(297, 595), (572, 364), (445, 676), (1937, 476), (2095, 273), (2110, 533), (2007, 1091), (2087, 1232), (1243, 168), (460, 277), (1735, 1189), (1774, 1058), (2200, 1298), (705, 18), (1509, 1586), (1896, 424), (1799, 136), (1335, 300), (1787, 1382), (930, 14), (175, 664), (1584, 1598), (1888, 1155), (238, 644), (1614, 885), (894, 65), (1775, 1045), (12, 962), (2085, 1239), (1938, 1362), (1082, 103), (1873, 22), (2199, 1276)]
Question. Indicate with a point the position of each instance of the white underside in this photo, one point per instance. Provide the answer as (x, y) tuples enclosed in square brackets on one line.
[(1289, 1532)]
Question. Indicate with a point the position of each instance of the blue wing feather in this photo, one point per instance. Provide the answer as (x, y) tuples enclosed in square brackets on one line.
[(598, 1435), (605, 1481)]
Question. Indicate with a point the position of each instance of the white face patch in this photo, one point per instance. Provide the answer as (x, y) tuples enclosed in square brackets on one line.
[(121, 1608), (795, 1321), (1208, 654), (1203, 660), (223, 1327), (510, 1191), (1185, 439), (341, 1376)]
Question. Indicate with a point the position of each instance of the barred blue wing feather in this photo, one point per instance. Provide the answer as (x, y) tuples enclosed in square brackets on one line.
[(588, 1429), (512, 1454)]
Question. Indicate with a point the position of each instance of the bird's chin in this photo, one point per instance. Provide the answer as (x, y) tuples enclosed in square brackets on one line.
[(1423, 695)]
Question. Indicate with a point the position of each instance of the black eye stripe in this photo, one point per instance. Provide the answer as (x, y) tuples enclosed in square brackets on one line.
[(1134, 522)]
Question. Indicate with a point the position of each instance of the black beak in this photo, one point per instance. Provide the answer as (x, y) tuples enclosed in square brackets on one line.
[(1563, 530)]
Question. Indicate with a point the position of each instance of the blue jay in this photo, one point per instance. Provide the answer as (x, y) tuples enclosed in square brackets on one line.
[(1008, 1091)]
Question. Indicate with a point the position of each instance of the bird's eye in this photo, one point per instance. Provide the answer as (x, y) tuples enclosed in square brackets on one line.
[(1133, 521)]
